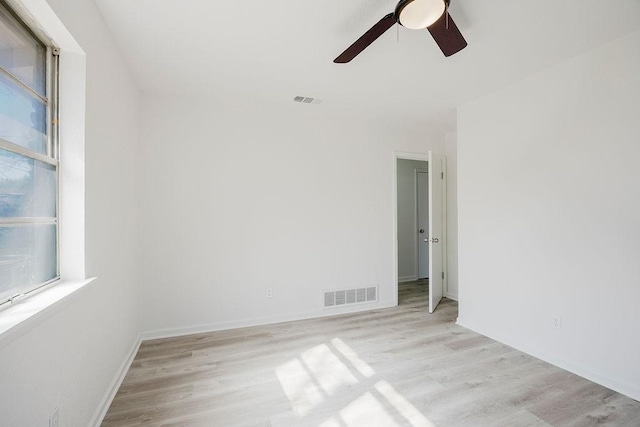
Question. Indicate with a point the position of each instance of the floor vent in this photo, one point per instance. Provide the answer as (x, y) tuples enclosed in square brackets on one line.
[(342, 297)]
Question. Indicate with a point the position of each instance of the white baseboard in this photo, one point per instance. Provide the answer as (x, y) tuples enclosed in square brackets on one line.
[(630, 390), (451, 296), (407, 279), (260, 321), (105, 403)]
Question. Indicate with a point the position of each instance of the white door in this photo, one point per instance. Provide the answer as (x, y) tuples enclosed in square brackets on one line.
[(422, 186), (436, 228)]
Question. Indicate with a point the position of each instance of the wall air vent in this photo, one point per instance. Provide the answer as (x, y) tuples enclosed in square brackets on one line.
[(307, 100), (342, 297)]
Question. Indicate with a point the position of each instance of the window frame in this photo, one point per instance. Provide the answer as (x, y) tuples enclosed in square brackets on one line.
[(52, 156)]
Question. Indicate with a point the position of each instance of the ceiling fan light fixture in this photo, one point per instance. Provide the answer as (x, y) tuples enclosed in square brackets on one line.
[(429, 14), (419, 14)]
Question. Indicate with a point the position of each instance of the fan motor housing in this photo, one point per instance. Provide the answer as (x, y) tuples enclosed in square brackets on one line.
[(404, 3)]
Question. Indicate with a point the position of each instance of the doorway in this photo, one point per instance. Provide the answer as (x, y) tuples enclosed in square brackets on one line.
[(419, 220), (413, 219)]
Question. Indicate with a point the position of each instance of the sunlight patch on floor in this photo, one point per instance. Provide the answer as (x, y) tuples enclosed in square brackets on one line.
[(299, 387), (327, 369), (365, 411), (402, 405), (317, 374), (362, 367)]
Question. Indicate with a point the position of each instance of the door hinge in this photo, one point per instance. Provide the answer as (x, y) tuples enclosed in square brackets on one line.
[(441, 175), (443, 275)]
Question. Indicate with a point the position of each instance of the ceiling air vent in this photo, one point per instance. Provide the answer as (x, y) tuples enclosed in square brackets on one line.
[(307, 100)]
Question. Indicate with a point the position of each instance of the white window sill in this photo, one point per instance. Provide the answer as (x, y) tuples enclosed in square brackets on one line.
[(29, 313)]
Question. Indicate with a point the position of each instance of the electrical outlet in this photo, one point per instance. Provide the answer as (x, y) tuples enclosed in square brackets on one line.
[(53, 419), (557, 323), (269, 293)]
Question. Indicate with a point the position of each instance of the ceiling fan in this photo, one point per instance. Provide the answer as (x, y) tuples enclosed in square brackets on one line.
[(416, 15)]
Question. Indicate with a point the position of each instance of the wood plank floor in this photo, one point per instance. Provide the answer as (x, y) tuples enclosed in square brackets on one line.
[(392, 367)]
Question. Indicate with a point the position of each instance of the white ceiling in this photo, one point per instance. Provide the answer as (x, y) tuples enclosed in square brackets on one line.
[(271, 51)]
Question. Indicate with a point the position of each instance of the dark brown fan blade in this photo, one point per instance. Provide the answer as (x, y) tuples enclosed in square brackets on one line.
[(446, 34), (367, 38)]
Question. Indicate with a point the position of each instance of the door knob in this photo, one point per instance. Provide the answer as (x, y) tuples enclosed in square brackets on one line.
[(421, 230), (435, 240)]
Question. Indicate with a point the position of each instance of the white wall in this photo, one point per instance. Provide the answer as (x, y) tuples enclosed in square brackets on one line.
[(549, 204), (407, 243), (451, 148), (240, 199), (69, 358)]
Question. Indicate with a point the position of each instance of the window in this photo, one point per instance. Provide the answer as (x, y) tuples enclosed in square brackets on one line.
[(28, 159)]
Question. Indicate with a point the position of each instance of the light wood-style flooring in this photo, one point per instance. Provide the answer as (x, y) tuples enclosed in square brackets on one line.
[(394, 367)]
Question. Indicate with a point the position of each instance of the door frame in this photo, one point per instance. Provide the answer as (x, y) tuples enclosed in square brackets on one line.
[(415, 180), (424, 157)]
